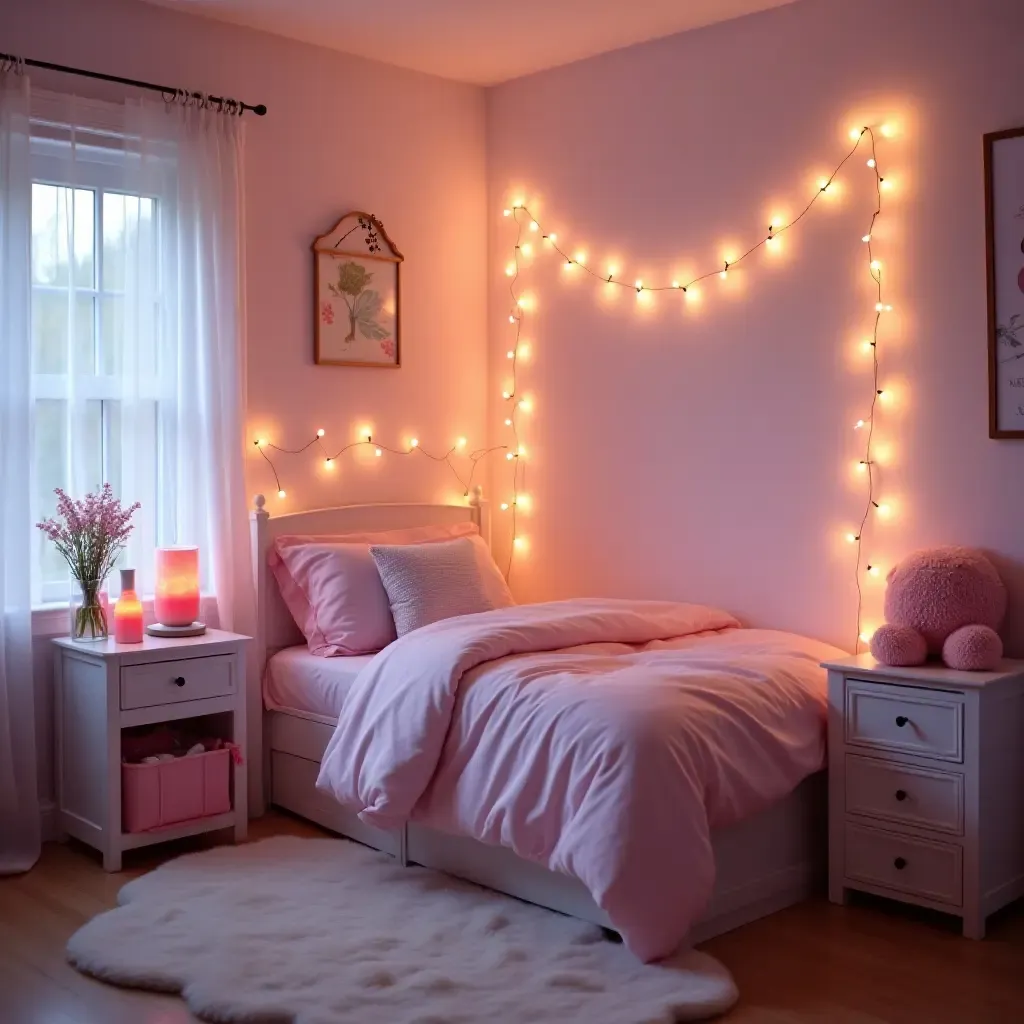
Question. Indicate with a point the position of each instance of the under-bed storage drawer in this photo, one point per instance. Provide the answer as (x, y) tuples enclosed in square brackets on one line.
[(906, 864), (293, 787), (901, 719), (905, 793)]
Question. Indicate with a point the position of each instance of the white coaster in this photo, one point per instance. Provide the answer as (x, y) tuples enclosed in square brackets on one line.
[(159, 629)]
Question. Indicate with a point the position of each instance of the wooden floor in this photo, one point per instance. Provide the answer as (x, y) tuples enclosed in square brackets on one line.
[(813, 964)]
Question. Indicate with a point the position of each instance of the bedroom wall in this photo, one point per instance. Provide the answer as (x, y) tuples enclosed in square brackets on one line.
[(710, 455), (342, 133)]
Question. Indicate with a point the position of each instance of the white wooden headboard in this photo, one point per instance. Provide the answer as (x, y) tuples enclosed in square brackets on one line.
[(275, 627)]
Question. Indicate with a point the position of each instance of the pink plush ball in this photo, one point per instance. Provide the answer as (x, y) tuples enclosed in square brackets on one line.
[(898, 645), (939, 590), (973, 649)]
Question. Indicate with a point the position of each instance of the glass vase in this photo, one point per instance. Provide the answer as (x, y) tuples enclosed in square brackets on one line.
[(88, 612)]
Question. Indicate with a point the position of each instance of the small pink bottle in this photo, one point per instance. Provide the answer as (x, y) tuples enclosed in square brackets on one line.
[(128, 611)]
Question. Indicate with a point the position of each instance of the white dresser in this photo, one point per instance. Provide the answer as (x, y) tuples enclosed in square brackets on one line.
[(926, 786), (102, 688)]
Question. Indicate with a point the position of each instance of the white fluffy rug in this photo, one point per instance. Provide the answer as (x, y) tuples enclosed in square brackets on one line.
[(323, 931)]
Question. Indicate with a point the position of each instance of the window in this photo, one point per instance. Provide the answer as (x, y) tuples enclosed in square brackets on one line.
[(98, 400)]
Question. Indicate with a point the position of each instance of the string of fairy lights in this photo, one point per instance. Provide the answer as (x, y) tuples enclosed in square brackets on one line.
[(413, 447), (691, 292)]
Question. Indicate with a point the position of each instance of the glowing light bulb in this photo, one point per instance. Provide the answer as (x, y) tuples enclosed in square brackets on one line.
[(460, 442), (823, 184), (854, 133), (871, 162), (510, 354), (865, 637), (328, 463), (858, 425), (568, 265), (366, 433), (876, 264), (320, 432), (534, 225), (522, 450), (884, 510), (770, 242), (724, 273), (526, 405), (509, 456), (862, 466), (524, 351), (377, 452), (692, 294), (510, 270), (639, 285), (281, 493), (414, 443), (887, 130), (508, 423), (675, 284), (523, 501), (261, 442), (873, 570), (552, 238), (511, 319), (851, 538), (867, 346), (506, 213), (520, 543), (612, 271), (866, 238), (526, 249), (521, 303), (518, 204), (884, 183), (879, 307), (580, 258), (506, 395), (504, 506)]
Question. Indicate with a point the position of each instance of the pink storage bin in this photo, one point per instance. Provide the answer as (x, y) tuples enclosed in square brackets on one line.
[(154, 795)]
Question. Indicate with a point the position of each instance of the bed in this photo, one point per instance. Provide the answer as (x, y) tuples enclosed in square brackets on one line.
[(763, 863)]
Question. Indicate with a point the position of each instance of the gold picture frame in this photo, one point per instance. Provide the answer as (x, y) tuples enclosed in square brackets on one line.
[(357, 313)]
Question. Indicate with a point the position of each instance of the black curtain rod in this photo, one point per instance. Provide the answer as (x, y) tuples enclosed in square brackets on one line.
[(259, 109)]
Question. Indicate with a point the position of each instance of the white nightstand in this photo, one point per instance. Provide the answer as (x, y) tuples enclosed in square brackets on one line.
[(102, 688), (926, 786)]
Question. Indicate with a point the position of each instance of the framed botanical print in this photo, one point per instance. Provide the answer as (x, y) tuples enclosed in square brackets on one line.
[(357, 311), (1004, 218)]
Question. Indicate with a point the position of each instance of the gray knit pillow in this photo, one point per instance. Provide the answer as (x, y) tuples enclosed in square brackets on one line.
[(429, 582)]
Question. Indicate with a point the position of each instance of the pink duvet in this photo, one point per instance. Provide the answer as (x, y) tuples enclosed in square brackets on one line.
[(601, 738)]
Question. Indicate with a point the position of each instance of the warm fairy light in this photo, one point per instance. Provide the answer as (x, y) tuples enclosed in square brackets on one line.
[(281, 494), (552, 238), (510, 354), (460, 442), (329, 463), (506, 395), (873, 452), (414, 443), (520, 543), (523, 501), (506, 213), (511, 319), (523, 350), (320, 432), (518, 204), (504, 506), (888, 130), (510, 270), (261, 442), (526, 404), (865, 636), (526, 249), (377, 452), (884, 510), (366, 433)]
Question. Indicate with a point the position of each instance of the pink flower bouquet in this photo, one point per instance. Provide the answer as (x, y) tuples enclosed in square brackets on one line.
[(90, 534)]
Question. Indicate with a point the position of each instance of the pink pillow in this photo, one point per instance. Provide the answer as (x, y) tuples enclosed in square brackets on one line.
[(429, 582), (333, 590)]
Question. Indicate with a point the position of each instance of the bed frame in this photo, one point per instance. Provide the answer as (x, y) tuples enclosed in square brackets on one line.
[(767, 862)]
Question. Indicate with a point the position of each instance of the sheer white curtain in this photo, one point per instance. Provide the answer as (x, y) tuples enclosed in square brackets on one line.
[(19, 805), (200, 233)]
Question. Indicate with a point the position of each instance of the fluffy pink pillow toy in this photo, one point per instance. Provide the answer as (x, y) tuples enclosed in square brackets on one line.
[(944, 601)]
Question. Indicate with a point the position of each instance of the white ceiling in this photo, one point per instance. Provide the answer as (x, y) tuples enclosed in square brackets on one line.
[(478, 41)]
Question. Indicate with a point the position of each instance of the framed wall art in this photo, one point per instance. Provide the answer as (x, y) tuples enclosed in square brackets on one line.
[(1004, 217), (357, 298)]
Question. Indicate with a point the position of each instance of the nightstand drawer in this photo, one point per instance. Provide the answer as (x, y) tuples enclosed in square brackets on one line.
[(911, 795), (910, 722), (905, 864), (169, 682)]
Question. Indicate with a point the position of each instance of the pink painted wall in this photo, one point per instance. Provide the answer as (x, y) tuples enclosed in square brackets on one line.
[(342, 133), (710, 456)]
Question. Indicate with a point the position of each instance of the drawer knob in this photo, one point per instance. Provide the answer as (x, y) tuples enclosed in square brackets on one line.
[(899, 863), (901, 794), (179, 681), (901, 720)]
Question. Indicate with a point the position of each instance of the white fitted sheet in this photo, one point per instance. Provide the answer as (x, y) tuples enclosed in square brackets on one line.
[(296, 680)]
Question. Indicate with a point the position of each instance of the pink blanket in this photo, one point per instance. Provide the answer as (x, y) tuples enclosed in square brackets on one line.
[(601, 738)]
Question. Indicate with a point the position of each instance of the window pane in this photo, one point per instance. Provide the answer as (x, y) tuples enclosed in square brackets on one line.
[(51, 458), (83, 204), (49, 242), (111, 334), (55, 332), (114, 240)]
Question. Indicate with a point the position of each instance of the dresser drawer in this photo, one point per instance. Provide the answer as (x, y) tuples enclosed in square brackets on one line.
[(169, 682), (905, 864), (905, 720), (899, 792)]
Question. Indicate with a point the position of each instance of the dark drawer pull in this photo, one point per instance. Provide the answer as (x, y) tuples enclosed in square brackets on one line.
[(899, 863), (901, 720), (901, 794), (179, 681)]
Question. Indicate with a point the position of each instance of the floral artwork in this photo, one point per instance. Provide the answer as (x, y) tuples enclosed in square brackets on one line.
[(1004, 163), (357, 268)]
